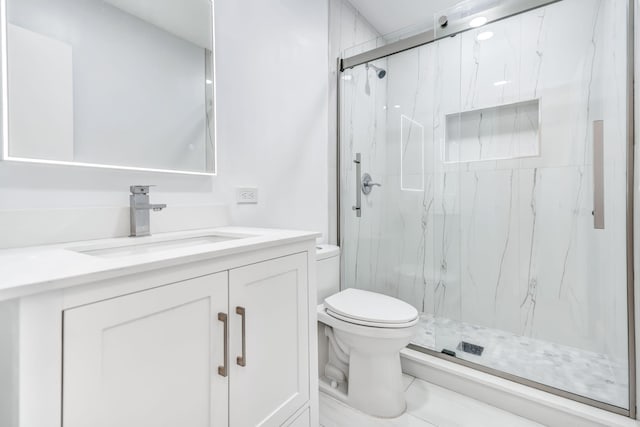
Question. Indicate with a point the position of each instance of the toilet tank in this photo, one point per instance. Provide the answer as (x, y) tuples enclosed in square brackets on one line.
[(328, 271)]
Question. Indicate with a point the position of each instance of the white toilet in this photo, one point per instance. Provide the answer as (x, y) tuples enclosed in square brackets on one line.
[(360, 335)]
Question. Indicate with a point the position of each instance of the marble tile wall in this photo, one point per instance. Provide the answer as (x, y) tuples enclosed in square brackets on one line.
[(347, 28), (509, 243), (363, 124), (364, 132)]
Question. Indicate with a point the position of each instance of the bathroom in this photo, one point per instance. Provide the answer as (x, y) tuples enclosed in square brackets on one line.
[(318, 213)]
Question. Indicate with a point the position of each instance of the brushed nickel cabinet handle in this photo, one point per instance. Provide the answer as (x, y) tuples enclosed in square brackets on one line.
[(222, 370), (242, 360)]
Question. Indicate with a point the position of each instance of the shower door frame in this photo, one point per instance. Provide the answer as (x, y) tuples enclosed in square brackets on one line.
[(496, 14)]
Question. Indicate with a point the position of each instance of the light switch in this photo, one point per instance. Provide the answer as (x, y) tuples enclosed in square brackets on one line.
[(247, 195)]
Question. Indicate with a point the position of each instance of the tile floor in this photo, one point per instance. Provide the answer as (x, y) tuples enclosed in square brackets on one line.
[(582, 372), (427, 405)]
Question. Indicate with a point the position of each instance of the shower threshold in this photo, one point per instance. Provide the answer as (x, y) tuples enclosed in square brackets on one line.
[(592, 375)]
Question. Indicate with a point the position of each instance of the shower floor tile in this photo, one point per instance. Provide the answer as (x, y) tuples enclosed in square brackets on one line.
[(593, 375)]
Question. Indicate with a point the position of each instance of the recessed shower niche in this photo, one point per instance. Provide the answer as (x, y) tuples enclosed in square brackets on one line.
[(507, 131)]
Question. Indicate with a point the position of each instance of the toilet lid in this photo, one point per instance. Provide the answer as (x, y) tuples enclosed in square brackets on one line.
[(364, 306)]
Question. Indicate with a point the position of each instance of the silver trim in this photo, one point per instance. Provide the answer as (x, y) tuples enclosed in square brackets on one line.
[(493, 15), (338, 150), (598, 174), (389, 49), (631, 315), (523, 381)]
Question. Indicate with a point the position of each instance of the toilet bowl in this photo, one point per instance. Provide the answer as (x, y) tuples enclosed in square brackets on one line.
[(365, 333)]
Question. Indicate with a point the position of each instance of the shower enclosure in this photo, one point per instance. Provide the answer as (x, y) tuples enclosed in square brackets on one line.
[(501, 143)]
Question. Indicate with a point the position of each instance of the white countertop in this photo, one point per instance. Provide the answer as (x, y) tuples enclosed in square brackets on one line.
[(25, 271)]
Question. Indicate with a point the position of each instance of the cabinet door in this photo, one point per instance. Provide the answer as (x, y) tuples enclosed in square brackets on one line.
[(148, 359), (274, 381)]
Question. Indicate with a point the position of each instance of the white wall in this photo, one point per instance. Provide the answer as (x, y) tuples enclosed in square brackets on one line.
[(272, 117), (272, 109)]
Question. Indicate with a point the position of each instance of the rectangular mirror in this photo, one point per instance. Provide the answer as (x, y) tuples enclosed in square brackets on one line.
[(110, 83)]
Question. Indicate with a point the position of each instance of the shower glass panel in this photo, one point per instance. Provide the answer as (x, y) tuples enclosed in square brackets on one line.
[(501, 217)]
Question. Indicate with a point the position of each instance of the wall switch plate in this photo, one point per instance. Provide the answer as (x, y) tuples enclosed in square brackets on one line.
[(246, 195)]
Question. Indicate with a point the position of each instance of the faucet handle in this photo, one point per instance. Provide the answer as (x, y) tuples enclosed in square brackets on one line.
[(140, 189)]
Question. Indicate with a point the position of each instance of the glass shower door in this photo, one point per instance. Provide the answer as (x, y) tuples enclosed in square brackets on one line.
[(537, 142), (502, 156), (364, 150), (389, 245)]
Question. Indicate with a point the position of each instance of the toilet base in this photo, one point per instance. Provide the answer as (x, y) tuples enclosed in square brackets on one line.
[(374, 385), (363, 365)]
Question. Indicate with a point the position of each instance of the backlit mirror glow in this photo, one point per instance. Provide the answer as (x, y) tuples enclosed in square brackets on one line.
[(110, 83)]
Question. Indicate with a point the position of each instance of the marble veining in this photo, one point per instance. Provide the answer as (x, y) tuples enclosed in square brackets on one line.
[(506, 244), (530, 299), (539, 52)]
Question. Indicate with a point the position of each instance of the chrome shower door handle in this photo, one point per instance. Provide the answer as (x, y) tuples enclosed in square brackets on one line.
[(358, 206), (242, 360), (222, 370), (598, 175)]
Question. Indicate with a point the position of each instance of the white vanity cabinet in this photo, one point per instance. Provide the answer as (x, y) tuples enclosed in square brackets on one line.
[(274, 379), (147, 359), (202, 342), (156, 358)]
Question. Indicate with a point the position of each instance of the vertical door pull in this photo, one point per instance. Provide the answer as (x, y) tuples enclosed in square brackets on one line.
[(222, 370), (242, 360), (358, 206), (598, 175)]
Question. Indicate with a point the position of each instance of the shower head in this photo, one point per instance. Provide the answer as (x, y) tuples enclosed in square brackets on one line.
[(380, 72)]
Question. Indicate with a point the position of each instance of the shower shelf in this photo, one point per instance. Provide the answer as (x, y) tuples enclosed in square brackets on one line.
[(507, 131)]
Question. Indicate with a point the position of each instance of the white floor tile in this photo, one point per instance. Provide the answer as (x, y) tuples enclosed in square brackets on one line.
[(427, 406), (336, 414), (446, 408)]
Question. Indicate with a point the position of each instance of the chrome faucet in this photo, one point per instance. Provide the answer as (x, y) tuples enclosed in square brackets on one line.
[(139, 210)]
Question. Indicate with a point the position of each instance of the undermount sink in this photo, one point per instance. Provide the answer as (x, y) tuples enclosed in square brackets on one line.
[(130, 248)]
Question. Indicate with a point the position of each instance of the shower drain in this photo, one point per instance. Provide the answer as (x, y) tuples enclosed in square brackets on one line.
[(470, 348)]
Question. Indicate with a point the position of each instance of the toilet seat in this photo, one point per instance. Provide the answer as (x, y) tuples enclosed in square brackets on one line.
[(370, 309), (371, 324)]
